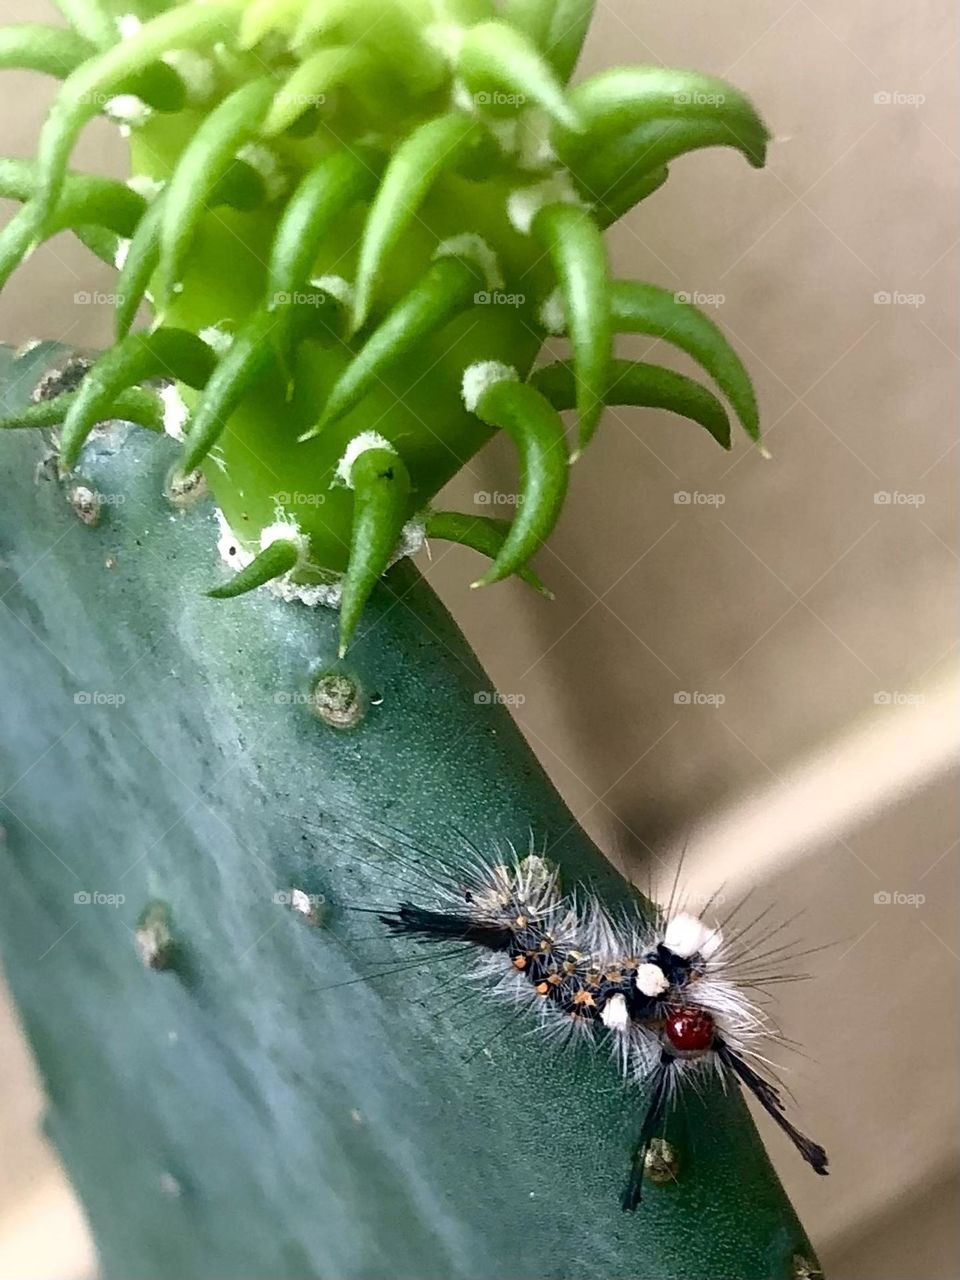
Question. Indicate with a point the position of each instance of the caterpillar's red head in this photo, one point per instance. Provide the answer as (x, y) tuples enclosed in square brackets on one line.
[(688, 1030)]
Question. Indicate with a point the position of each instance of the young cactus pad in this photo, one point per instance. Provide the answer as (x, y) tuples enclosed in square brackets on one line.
[(354, 222)]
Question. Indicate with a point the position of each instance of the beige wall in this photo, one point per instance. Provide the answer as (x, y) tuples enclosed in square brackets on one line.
[(800, 599)]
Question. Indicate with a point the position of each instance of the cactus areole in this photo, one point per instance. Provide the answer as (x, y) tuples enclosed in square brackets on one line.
[(349, 227)]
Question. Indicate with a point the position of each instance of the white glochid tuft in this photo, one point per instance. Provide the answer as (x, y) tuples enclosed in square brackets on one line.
[(359, 444), (480, 377)]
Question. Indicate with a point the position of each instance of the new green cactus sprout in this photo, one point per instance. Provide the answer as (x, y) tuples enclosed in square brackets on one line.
[(327, 201)]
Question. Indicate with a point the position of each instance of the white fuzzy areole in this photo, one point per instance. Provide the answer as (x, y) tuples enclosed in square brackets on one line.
[(314, 595), (461, 99), (477, 250), (145, 186), (196, 71), (651, 980), (412, 537), (337, 286), (525, 203), (614, 1014), (128, 24), (553, 315), (359, 444), (686, 935), (127, 110), (267, 164), (283, 531), (175, 411), (506, 133), (480, 376), (216, 338)]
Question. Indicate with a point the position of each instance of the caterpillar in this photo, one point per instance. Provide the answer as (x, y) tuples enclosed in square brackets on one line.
[(669, 993)]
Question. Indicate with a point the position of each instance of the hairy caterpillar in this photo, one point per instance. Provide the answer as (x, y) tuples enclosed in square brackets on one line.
[(669, 993)]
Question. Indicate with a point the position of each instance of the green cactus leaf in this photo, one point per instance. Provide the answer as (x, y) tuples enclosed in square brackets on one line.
[(381, 491), (645, 308), (415, 166), (447, 288), (576, 249), (52, 50), (204, 163), (175, 353), (485, 534), (647, 386), (496, 57), (273, 562), (324, 195), (537, 430)]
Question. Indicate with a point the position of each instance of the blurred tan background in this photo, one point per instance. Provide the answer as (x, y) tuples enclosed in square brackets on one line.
[(767, 670)]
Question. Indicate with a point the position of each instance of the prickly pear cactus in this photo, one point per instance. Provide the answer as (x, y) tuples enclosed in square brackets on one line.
[(353, 224)]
